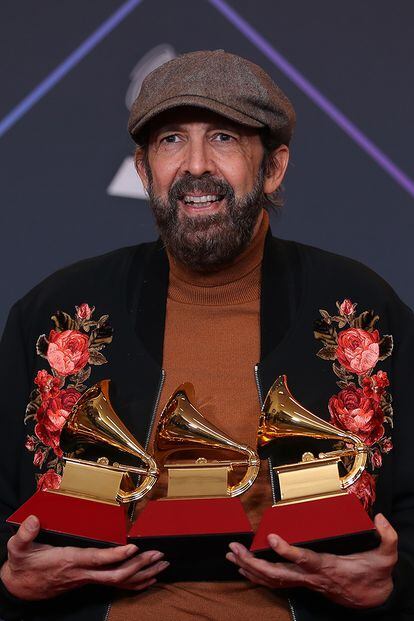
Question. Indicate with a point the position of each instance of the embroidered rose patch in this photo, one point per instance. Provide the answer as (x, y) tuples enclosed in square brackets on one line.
[(363, 405), (71, 348)]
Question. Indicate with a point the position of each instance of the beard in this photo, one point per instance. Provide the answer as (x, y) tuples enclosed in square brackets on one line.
[(207, 243)]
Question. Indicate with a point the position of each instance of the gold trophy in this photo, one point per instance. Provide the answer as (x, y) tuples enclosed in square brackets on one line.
[(315, 510), (202, 512), (95, 498), (183, 428)]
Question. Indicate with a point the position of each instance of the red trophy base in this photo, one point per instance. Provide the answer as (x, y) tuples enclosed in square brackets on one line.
[(337, 524), (66, 520), (194, 535)]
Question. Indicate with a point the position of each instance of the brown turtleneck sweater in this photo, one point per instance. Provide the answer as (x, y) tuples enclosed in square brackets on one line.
[(212, 339)]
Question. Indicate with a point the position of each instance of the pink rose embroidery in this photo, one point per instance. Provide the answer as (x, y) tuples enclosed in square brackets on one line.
[(376, 459), (72, 348), (39, 458), (363, 406), (30, 443), (381, 379), (51, 417), (347, 308), (364, 490), (374, 386), (358, 350), (386, 445), (352, 411), (68, 398), (47, 384), (49, 480), (68, 351), (84, 311)]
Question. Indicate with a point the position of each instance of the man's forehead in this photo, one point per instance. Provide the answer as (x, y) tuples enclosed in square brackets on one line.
[(187, 115)]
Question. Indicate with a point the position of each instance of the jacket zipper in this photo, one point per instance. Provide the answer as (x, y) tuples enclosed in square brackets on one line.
[(106, 617), (147, 439), (292, 611), (157, 401), (260, 392), (272, 474)]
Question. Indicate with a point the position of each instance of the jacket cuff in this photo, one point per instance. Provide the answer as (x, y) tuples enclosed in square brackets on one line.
[(12, 608)]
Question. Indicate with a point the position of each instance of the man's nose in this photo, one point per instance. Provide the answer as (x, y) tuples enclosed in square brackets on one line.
[(197, 160)]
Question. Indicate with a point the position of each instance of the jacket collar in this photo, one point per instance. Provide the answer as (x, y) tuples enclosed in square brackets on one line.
[(280, 292), (280, 295), (149, 300)]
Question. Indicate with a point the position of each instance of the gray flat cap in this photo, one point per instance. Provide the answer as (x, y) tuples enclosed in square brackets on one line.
[(214, 80)]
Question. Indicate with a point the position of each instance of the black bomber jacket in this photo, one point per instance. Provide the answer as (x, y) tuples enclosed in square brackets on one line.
[(130, 285)]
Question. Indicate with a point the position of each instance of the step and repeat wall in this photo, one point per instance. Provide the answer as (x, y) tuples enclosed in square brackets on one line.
[(69, 71)]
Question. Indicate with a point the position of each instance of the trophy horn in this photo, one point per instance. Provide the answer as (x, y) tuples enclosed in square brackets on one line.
[(93, 421), (284, 417), (182, 428)]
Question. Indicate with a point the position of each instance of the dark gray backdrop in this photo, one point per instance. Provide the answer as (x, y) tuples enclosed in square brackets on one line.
[(65, 68)]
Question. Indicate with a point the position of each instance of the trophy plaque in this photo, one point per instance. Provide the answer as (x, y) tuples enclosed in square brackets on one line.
[(95, 499), (315, 510), (202, 512)]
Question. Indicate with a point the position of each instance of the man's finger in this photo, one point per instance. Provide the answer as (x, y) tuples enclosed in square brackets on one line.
[(389, 538), (246, 568), (96, 557), (289, 573), (255, 578), (239, 548), (139, 562), (143, 575), (138, 587), (28, 531), (246, 560), (285, 581), (125, 573), (306, 559)]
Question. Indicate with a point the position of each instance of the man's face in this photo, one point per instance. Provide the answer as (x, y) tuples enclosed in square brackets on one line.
[(205, 183)]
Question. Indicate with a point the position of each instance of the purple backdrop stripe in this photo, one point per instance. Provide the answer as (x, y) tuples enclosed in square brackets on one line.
[(67, 65), (316, 96)]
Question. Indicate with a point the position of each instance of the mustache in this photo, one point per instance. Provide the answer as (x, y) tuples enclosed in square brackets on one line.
[(207, 184)]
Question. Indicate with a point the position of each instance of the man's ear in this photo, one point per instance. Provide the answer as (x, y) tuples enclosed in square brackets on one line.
[(140, 166), (276, 167)]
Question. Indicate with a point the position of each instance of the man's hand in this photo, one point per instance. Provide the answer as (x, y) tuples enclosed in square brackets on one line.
[(357, 581), (36, 571)]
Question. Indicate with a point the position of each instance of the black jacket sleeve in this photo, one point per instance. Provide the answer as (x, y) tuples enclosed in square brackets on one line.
[(402, 510), (15, 389)]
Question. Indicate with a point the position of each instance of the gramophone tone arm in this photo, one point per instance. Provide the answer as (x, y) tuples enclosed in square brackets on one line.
[(253, 466), (114, 466), (344, 453), (149, 477), (210, 463), (146, 484), (360, 453)]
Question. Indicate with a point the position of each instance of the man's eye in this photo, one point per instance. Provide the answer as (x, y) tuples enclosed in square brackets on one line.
[(221, 137), (171, 138)]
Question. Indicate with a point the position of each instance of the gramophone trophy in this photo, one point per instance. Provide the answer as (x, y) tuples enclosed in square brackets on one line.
[(202, 512), (95, 498), (315, 510)]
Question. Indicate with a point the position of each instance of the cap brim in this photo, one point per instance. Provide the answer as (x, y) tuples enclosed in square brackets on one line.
[(135, 127)]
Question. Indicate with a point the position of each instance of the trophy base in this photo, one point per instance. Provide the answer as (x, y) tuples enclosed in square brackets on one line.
[(337, 524), (194, 535), (66, 520)]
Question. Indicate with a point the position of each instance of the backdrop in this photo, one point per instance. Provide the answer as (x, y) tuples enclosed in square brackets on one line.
[(70, 69)]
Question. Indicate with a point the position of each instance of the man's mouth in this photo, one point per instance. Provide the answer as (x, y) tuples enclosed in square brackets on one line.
[(204, 200)]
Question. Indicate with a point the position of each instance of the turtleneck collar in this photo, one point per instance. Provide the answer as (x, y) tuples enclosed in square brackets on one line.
[(236, 283)]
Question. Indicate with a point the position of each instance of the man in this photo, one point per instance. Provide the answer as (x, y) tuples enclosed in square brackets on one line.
[(216, 297)]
